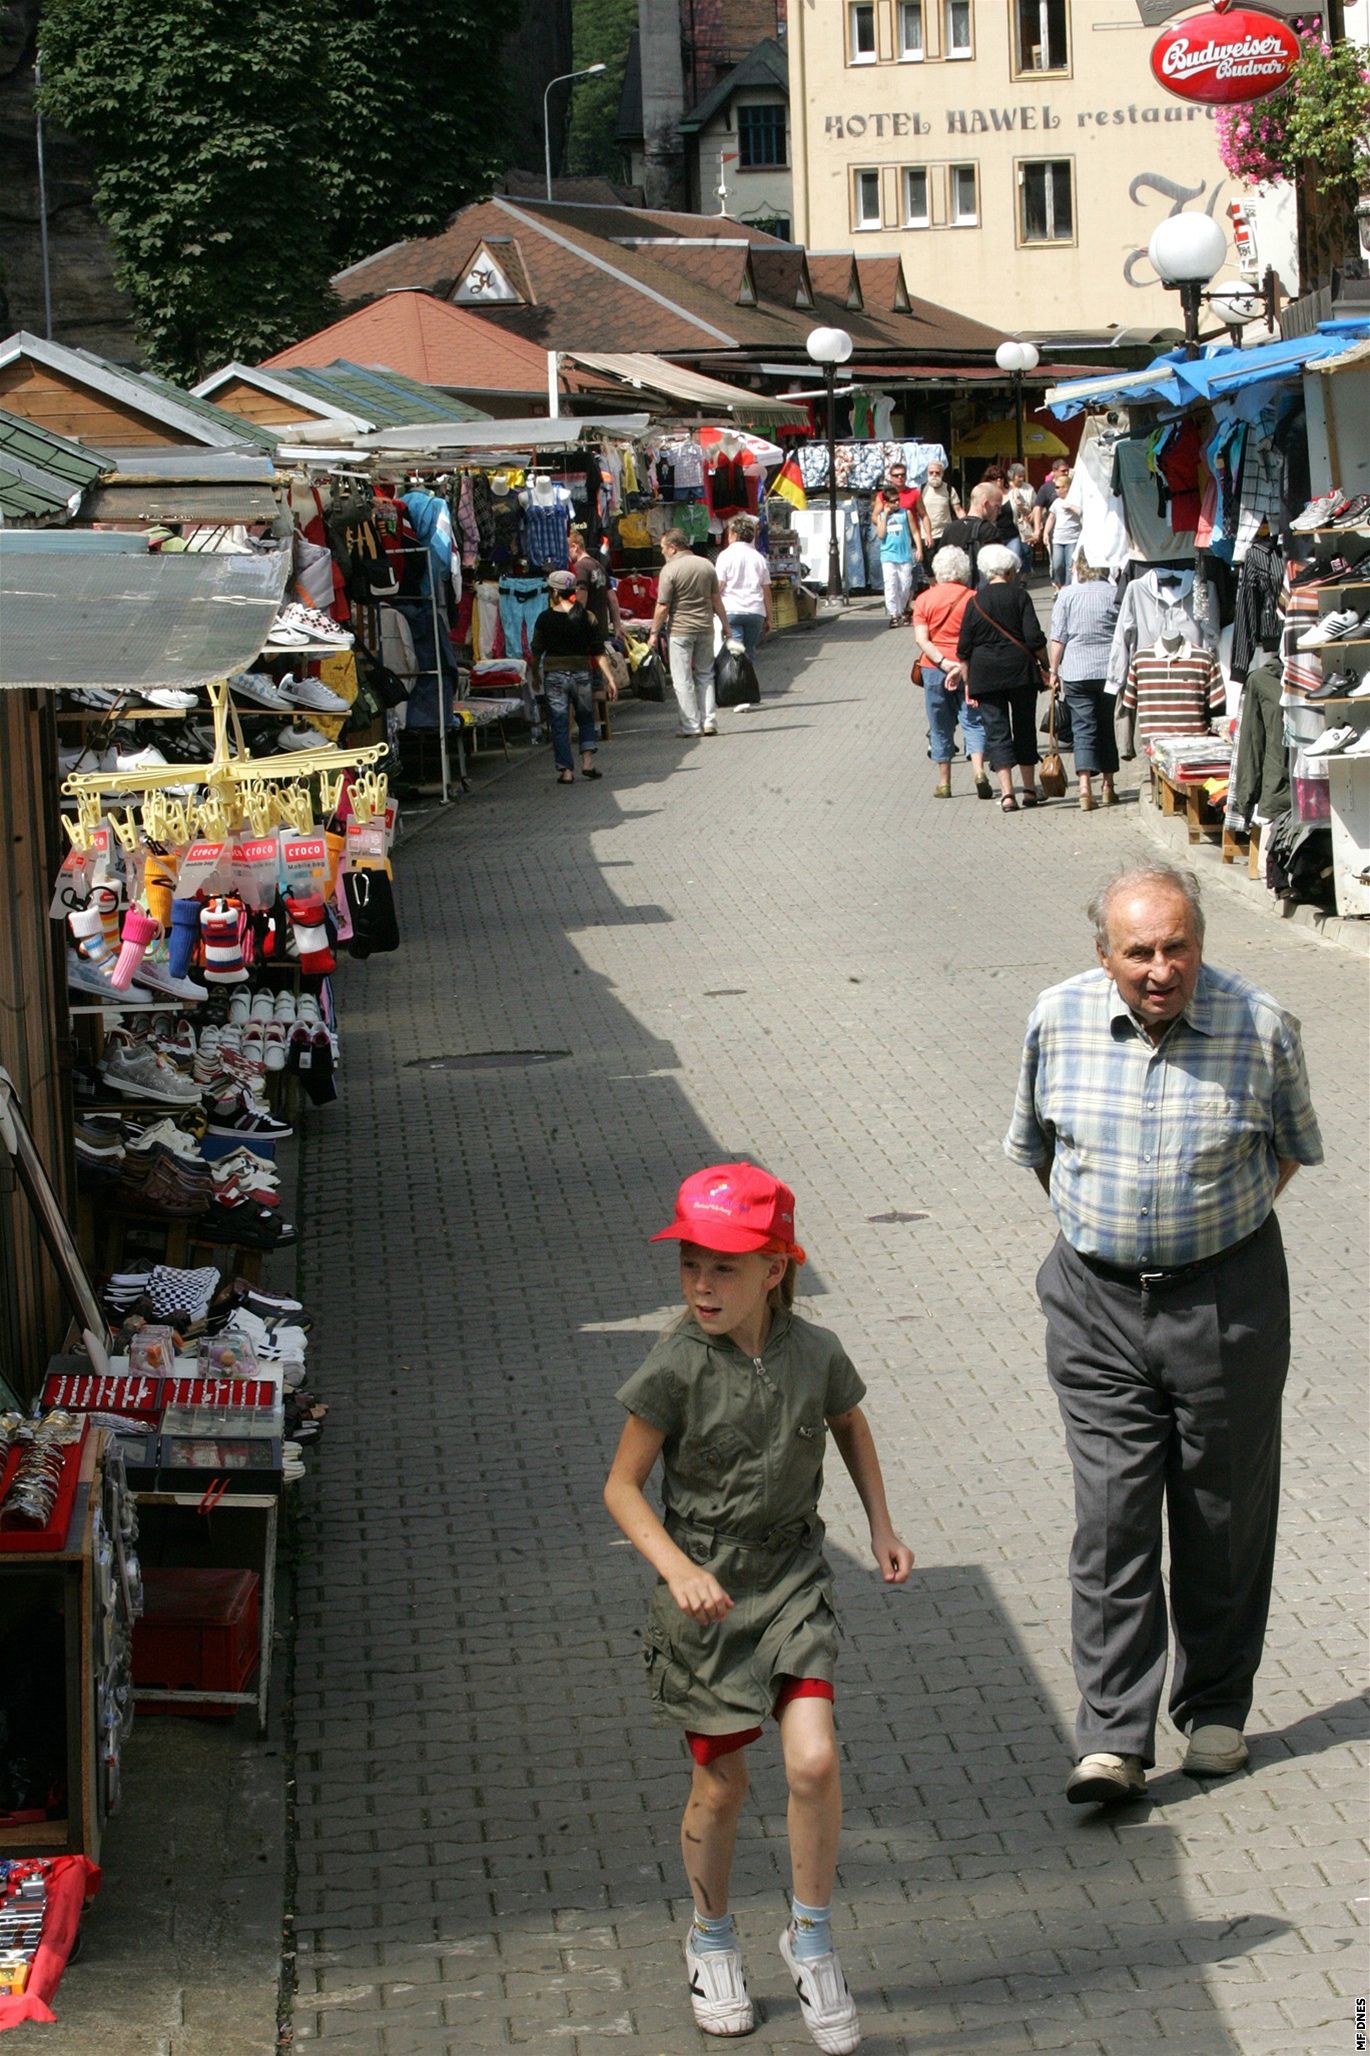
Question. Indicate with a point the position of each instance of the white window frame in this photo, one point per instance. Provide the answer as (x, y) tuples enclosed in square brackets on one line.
[(912, 174), (860, 223), (911, 53), (953, 51), (1050, 165), (855, 10), (957, 219)]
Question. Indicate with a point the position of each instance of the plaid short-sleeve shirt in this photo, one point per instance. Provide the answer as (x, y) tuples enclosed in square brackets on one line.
[(1161, 1154)]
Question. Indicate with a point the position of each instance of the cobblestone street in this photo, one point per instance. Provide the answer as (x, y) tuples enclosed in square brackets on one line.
[(773, 945)]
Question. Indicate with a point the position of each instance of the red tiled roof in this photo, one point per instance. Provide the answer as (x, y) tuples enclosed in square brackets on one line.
[(428, 340)]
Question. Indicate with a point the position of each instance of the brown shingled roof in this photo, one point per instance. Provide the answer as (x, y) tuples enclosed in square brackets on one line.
[(833, 273)]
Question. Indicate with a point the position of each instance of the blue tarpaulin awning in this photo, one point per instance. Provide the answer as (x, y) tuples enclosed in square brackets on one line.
[(1175, 380)]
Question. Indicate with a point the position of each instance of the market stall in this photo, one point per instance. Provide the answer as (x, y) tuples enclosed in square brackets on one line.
[(1230, 493)]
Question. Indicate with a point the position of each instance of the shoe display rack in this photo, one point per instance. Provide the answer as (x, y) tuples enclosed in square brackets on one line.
[(1348, 767), (70, 1591)]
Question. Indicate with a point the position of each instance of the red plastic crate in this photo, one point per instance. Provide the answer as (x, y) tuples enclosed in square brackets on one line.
[(198, 1632)]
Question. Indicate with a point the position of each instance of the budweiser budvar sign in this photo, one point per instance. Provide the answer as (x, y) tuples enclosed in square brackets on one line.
[(1219, 57)]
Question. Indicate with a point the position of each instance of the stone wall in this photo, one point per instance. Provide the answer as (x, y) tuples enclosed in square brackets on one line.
[(88, 310)]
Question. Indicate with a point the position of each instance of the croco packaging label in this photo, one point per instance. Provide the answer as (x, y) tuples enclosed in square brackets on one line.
[(78, 872), (304, 859), (199, 868), (256, 869)]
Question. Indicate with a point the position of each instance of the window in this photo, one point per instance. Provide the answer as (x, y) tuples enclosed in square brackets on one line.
[(964, 183), (1046, 213), (956, 28), (760, 137), (861, 32), (910, 31), (916, 197), (1041, 32), (867, 199)]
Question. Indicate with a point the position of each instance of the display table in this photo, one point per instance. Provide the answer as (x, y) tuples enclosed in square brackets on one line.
[(1188, 800)]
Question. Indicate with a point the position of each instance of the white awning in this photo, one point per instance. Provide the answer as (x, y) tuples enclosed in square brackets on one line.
[(530, 432), (701, 394)]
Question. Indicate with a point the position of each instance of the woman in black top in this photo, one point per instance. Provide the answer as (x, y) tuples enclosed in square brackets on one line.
[(1000, 636), (568, 649)]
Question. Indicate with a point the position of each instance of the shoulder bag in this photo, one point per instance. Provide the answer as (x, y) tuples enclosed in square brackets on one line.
[(1036, 655)]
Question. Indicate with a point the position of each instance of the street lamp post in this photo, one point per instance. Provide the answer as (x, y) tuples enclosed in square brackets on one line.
[(562, 79), (1017, 358), (1187, 250), (831, 347)]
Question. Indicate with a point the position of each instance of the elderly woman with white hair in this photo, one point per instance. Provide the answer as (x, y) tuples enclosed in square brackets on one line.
[(937, 616), (1082, 623), (1000, 645)]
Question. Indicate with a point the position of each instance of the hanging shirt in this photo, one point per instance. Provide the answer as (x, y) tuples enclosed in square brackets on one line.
[(546, 526), (1158, 604)]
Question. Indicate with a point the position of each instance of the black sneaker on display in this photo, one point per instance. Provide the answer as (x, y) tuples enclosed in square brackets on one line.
[(242, 1115)]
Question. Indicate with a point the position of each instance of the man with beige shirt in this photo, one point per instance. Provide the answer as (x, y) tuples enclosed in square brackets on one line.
[(688, 600)]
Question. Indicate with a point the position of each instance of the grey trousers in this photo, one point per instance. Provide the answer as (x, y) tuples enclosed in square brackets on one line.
[(1171, 1401)]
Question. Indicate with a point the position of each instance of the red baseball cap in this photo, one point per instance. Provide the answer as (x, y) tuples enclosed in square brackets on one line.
[(734, 1208)]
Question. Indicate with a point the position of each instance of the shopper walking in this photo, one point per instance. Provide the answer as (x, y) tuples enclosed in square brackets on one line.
[(1164, 1106), (1020, 503), (894, 530), (568, 649), (594, 591), (940, 503), (1083, 618), (937, 616), (744, 580), (1045, 497), (734, 1402), (911, 500), (976, 528), (1000, 644), (1061, 533), (688, 603)]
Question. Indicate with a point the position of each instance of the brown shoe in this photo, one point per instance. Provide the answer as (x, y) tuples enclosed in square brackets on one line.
[(942, 791), (1086, 803)]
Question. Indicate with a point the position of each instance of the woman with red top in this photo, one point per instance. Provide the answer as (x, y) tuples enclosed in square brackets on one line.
[(936, 626)]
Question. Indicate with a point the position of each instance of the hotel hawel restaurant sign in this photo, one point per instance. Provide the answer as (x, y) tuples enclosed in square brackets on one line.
[(1023, 119)]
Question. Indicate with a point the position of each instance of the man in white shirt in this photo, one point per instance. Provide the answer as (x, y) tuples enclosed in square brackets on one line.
[(744, 579)]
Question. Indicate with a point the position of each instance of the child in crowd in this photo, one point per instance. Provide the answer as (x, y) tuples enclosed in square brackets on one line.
[(737, 1399)]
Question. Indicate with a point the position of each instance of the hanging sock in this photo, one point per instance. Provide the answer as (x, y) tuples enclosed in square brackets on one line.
[(185, 933), (159, 886), (139, 930), (105, 899), (310, 931), (222, 932), (88, 929)]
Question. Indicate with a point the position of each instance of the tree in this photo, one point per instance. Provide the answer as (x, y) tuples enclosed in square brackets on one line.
[(601, 29), (245, 153)]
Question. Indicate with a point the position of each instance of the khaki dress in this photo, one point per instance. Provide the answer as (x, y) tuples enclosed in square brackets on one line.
[(742, 1473)]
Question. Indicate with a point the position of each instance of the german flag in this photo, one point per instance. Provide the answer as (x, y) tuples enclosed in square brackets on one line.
[(789, 484)]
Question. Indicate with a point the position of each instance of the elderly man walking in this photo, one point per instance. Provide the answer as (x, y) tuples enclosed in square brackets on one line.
[(1164, 1106), (688, 602)]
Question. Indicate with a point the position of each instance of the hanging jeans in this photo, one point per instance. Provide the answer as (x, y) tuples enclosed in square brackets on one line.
[(423, 700), (692, 675), (564, 690), (521, 600)]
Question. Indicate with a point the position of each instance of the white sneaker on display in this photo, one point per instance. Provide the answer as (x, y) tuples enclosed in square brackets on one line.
[(719, 1998), (173, 697), (1331, 742), (312, 694), (1359, 748), (301, 739)]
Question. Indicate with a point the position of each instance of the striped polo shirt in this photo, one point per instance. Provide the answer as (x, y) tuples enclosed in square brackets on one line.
[(1174, 695)]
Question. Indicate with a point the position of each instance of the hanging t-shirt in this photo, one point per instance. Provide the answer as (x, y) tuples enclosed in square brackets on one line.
[(1175, 692), (546, 525)]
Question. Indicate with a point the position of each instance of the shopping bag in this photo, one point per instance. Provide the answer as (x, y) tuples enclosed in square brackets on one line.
[(735, 683), (1051, 771), (650, 679)]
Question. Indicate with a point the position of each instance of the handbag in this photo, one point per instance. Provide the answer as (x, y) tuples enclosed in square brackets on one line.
[(1051, 772), (650, 678)]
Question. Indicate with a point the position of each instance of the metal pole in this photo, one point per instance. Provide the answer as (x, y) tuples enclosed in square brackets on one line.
[(1191, 294), (42, 201), (834, 560), (547, 133), (443, 709), (553, 394), (1018, 411)]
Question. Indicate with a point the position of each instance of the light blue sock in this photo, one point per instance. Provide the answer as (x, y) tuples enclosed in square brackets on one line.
[(810, 1930), (710, 1936)]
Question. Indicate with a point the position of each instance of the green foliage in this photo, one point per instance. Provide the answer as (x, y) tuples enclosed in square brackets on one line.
[(601, 29), (245, 152), (1327, 125)]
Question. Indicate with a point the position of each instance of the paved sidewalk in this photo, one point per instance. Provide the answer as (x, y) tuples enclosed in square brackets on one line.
[(773, 944)]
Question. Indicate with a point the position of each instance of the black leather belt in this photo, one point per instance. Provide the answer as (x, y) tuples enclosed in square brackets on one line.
[(1163, 1280)]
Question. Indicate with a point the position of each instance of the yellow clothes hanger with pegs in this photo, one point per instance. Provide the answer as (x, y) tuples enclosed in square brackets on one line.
[(126, 828), (368, 796)]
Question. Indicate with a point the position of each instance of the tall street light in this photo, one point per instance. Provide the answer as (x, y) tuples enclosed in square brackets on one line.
[(1187, 251), (831, 347), (1017, 358), (588, 73)]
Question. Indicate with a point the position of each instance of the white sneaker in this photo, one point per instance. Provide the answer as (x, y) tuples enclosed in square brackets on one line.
[(261, 689), (139, 1070), (1104, 1779), (1359, 748), (1361, 691), (829, 2009), (1332, 628), (1318, 511), (719, 1998), (313, 694), (155, 971), (1331, 742), (173, 697), (301, 739), (1214, 1752)]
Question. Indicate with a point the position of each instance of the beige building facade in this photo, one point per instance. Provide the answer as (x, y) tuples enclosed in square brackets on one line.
[(1017, 153)]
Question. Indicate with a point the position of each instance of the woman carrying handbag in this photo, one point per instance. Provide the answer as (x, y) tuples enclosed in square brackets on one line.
[(1001, 644)]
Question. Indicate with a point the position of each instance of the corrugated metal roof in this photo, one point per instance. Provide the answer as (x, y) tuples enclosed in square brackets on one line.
[(384, 398)]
